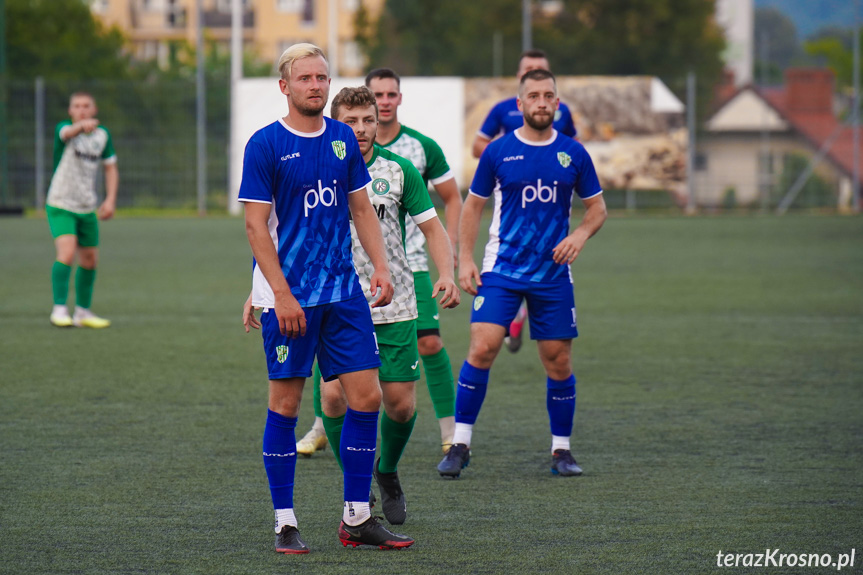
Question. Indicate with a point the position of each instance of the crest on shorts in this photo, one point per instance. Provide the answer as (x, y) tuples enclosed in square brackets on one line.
[(339, 149), (477, 302), (564, 159), (380, 186), (282, 353)]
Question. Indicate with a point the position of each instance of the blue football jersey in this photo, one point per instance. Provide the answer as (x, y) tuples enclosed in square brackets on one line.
[(505, 117), (306, 178), (533, 184)]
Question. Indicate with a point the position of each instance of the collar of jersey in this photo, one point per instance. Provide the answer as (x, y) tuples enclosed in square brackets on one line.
[(543, 143), (303, 134), (375, 149)]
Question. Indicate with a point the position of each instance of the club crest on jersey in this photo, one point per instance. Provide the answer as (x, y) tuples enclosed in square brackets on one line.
[(282, 353), (564, 159), (477, 302), (339, 149), (380, 186)]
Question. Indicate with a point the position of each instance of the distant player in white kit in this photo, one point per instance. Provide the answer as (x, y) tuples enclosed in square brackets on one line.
[(533, 174)]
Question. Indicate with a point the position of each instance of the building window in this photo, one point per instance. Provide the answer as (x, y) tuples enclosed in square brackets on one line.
[(99, 6), (153, 5), (308, 17), (766, 172), (224, 6), (352, 57), (291, 6)]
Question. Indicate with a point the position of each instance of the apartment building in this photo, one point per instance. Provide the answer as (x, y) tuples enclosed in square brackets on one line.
[(269, 26)]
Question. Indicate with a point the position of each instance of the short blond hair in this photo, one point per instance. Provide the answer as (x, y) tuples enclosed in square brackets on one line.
[(297, 52)]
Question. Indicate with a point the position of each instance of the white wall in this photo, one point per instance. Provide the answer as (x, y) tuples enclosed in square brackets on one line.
[(433, 106)]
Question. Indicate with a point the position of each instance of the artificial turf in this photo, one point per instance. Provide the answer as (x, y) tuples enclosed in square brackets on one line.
[(720, 407)]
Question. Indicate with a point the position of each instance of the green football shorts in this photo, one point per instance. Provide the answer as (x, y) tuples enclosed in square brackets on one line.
[(84, 226), (397, 343), (426, 304)]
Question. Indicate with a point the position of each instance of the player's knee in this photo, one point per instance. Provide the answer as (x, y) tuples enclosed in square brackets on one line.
[(429, 344), (333, 402), (401, 412), (482, 354)]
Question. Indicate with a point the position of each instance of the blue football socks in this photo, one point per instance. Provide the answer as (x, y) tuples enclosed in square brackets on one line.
[(470, 393), (280, 458), (560, 401)]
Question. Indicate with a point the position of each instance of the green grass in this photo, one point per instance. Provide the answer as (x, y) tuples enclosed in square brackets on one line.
[(720, 372)]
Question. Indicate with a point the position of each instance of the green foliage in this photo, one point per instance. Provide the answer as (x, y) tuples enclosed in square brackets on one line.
[(837, 55), (664, 38), (61, 39), (778, 31), (816, 192), (719, 406)]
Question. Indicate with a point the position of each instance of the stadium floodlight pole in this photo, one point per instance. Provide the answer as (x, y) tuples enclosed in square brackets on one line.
[(526, 26), (39, 103), (333, 37), (4, 85), (690, 120), (855, 186), (234, 207), (201, 108)]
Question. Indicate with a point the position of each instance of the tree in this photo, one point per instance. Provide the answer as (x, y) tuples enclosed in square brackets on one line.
[(665, 38), (778, 30), (61, 39)]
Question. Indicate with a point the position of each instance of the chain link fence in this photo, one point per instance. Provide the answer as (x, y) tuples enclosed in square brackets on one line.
[(153, 126)]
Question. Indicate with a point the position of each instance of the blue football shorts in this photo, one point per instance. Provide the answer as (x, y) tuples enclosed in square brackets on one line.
[(341, 335), (550, 306)]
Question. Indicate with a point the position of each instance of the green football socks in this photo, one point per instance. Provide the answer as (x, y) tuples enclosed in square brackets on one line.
[(333, 428), (84, 280), (394, 439), (60, 275), (439, 379)]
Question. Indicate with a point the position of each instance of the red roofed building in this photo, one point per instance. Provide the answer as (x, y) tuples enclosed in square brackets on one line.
[(754, 132)]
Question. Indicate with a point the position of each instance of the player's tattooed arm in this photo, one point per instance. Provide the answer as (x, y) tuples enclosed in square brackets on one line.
[(292, 319), (594, 216), (468, 229), (441, 253), (369, 233)]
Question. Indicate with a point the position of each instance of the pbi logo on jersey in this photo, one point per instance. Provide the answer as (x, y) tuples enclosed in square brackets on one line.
[(539, 193), (282, 353), (564, 159), (477, 302), (339, 149), (320, 196), (380, 186)]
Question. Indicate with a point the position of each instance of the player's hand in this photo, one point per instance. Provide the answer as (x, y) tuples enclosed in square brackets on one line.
[(106, 210), (568, 249), (467, 275), (88, 125), (249, 319), (451, 296), (382, 280), (292, 318)]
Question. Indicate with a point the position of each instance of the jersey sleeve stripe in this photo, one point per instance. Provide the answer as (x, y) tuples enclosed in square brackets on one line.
[(111, 160), (424, 216), (591, 195), (484, 135), (360, 189), (248, 201), (444, 178)]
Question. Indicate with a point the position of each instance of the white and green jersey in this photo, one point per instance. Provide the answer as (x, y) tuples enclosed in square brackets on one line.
[(397, 189), (76, 164), (427, 157)]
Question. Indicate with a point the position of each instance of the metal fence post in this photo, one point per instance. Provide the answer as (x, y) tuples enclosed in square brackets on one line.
[(39, 104)]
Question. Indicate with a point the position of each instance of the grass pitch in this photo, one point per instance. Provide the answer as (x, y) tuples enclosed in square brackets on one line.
[(720, 407)]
